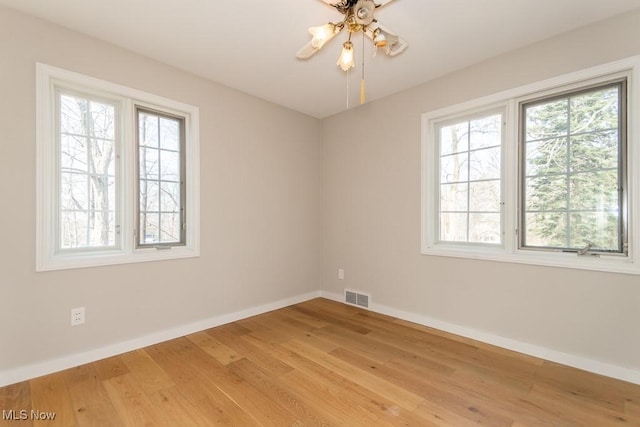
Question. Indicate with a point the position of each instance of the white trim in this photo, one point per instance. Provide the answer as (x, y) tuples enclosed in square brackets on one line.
[(24, 373), (49, 77), (584, 363), (510, 253)]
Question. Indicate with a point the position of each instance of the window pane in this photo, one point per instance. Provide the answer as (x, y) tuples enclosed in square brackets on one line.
[(170, 165), (546, 193), (454, 138), (594, 111), (74, 191), (149, 228), (170, 223), (484, 228), (572, 194), (546, 156), (484, 196), (470, 180), (73, 153), (600, 229), (486, 132), (148, 130), (453, 227), (102, 121), (169, 134), (149, 196), (149, 163), (160, 179), (596, 191), (73, 229), (87, 174), (546, 229), (547, 120), (73, 115), (453, 197), (454, 168), (597, 150), (101, 159), (170, 197), (485, 164)]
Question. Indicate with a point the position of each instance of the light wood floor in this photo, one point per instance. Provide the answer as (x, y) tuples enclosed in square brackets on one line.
[(324, 363)]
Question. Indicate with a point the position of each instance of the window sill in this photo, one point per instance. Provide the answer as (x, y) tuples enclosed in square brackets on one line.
[(605, 263), (86, 260)]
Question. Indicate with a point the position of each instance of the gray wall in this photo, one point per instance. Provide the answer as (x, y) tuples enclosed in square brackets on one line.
[(371, 217)]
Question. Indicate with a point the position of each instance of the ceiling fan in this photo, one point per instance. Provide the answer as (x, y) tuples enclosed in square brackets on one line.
[(358, 16)]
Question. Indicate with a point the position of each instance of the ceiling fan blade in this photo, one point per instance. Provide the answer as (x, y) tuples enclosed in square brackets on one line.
[(395, 44), (380, 3), (306, 51)]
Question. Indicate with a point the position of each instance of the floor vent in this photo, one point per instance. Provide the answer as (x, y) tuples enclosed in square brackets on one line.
[(356, 298)]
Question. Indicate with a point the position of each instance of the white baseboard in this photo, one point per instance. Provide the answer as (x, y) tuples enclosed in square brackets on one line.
[(23, 373), (595, 366)]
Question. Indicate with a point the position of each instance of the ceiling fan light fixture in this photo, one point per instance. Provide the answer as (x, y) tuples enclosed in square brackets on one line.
[(322, 34), (346, 59), (379, 38)]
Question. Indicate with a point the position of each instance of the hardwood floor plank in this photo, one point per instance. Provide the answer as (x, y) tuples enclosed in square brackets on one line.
[(110, 367), (271, 387), (396, 394), (324, 395), (134, 407), (14, 399), (49, 394), (146, 372), (564, 408), (245, 349), (632, 409), (89, 398), (324, 363), (215, 348)]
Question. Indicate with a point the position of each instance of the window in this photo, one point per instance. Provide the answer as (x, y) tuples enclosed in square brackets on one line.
[(86, 144), (542, 174), (117, 174), (160, 142), (470, 180), (573, 184)]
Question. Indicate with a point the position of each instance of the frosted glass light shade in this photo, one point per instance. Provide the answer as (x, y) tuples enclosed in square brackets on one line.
[(346, 61)]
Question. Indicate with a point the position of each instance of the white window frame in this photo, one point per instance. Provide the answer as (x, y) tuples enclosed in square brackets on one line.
[(434, 171), (48, 78), (510, 100)]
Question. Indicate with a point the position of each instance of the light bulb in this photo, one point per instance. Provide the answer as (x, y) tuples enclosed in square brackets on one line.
[(379, 38), (322, 34), (345, 61)]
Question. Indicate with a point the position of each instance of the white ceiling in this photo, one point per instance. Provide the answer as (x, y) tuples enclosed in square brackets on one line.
[(250, 45)]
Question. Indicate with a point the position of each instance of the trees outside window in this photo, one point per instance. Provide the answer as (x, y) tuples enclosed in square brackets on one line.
[(573, 183)]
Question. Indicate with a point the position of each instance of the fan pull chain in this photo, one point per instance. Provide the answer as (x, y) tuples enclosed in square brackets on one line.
[(363, 88), (347, 89)]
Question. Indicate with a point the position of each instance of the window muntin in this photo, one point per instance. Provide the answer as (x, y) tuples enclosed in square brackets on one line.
[(470, 173), (161, 195), (573, 176), (86, 145)]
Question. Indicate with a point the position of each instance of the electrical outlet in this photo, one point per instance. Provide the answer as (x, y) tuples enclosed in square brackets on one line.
[(341, 273), (77, 316)]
